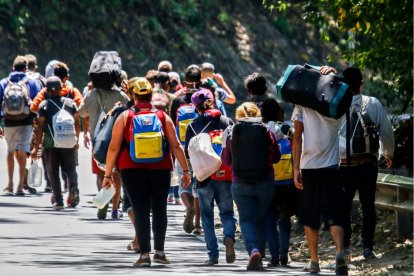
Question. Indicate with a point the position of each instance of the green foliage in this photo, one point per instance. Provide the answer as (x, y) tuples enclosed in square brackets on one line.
[(381, 32)]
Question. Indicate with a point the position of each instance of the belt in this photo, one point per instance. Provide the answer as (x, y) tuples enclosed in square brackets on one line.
[(358, 160)]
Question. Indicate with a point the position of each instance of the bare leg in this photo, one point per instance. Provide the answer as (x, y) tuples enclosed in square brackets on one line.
[(99, 180), (21, 160), (312, 237), (187, 199), (117, 196), (131, 216), (337, 233), (10, 169)]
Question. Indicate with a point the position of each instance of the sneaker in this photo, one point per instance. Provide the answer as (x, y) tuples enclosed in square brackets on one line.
[(170, 200), (312, 267), (340, 264), (102, 212), (48, 190), (188, 223), (197, 230), (284, 260), (368, 254), (348, 254), (57, 206), (142, 262), (230, 254), (19, 193), (210, 262), (255, 261), (116, 214), (274, 262), (161, 259), (73, 198), (31, 190)]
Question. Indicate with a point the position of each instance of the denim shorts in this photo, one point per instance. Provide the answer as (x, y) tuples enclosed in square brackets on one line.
[(191, 189)]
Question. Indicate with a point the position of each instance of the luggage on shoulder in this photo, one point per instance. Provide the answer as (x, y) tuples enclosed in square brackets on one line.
[(63, 123), (146, 137), (104, 135), (306, 86), (224, 172), (105, 69), (250, 149), (204, 160), (16, 101)]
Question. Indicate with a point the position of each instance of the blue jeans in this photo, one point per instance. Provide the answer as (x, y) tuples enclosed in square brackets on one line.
[(277, 239), (252, 203), (220, 191)]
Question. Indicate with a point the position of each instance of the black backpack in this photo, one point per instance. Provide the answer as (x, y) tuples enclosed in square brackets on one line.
[(105, 69), (364, 134), (306, 86), (250, 149)]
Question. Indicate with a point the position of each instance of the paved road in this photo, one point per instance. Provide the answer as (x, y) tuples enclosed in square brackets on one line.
[(36, 240)]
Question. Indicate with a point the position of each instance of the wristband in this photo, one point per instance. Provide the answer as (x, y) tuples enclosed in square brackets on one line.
[(108, 176)]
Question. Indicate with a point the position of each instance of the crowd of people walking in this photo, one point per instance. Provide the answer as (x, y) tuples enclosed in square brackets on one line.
[(173, 141)]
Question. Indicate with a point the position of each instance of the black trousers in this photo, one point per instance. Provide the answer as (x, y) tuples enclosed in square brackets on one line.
[(148, 190), (66, 159), (361, 178)]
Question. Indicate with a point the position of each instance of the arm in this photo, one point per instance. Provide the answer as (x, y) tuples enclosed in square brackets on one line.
[(177, 150), (296, 152), (38, 137), (77, 128), (114, 148), (77, 97), (231, 98), (85, 127), (226, 156)]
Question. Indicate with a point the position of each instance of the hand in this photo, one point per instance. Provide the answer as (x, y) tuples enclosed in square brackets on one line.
[(107, 182), (86, 141), (388, 161), (77, 145), (1, 132), (219, 79), (185, 180), (33, 153), (325, 70), (297, 177)]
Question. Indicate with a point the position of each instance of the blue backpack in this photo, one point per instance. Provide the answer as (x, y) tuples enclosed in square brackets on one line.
[(283, 170), (185, 115), (146, 138)]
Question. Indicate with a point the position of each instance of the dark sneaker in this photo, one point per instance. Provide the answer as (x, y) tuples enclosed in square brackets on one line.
[(161, 259), (48, 190), (341, 267), (368, 254), (312, 267), (57, 206), (73, 197), (20, 193), (210, 262), (116, 214), (284, 260), (255, 262), (102, 212), (142, 262), (348, 254), (188, 223), (274, 262), (230, 254)]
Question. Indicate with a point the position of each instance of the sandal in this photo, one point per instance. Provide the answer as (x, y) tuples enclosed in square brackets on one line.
[(7, 191), (20, 193), (131, 247)]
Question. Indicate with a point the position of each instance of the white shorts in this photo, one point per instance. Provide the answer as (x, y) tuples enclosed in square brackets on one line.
[(18, 138)]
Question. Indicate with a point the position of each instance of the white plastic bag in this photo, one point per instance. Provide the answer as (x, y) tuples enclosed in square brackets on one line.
[(204, 160), (103, 197), (34, 174)]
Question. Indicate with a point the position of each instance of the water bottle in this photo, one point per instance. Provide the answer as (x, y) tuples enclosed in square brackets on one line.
[(35, 174), (103, 197)]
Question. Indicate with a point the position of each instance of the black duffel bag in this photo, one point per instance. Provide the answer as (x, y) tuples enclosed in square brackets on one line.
[(306, 86), (105, 69)]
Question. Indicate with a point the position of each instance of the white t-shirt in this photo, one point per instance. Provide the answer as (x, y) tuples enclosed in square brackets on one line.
[(320, 147)]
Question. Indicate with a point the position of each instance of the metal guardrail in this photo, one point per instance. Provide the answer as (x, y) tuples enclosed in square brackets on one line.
[(393, 193), (396, 193)]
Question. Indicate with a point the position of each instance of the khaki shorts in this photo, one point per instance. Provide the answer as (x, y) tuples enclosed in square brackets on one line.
[(18, 138)]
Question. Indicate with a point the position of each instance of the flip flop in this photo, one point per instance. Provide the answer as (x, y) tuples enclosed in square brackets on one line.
[(20, 193), (7, 191)]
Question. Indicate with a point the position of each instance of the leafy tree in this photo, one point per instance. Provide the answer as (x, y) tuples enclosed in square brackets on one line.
[(374, 35)]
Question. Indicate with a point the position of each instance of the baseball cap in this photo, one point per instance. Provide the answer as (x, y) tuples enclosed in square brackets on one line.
[(53, 83), (200, 96), (207, 66), (141, 86)]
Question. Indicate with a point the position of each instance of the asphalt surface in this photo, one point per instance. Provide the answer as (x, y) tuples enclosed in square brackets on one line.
[(36, 240)]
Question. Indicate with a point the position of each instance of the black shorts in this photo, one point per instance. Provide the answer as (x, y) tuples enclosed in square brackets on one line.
[(287, 200), (322, 198)]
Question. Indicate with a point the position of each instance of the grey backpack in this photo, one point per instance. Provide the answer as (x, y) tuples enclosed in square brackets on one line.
[(16, 101)]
